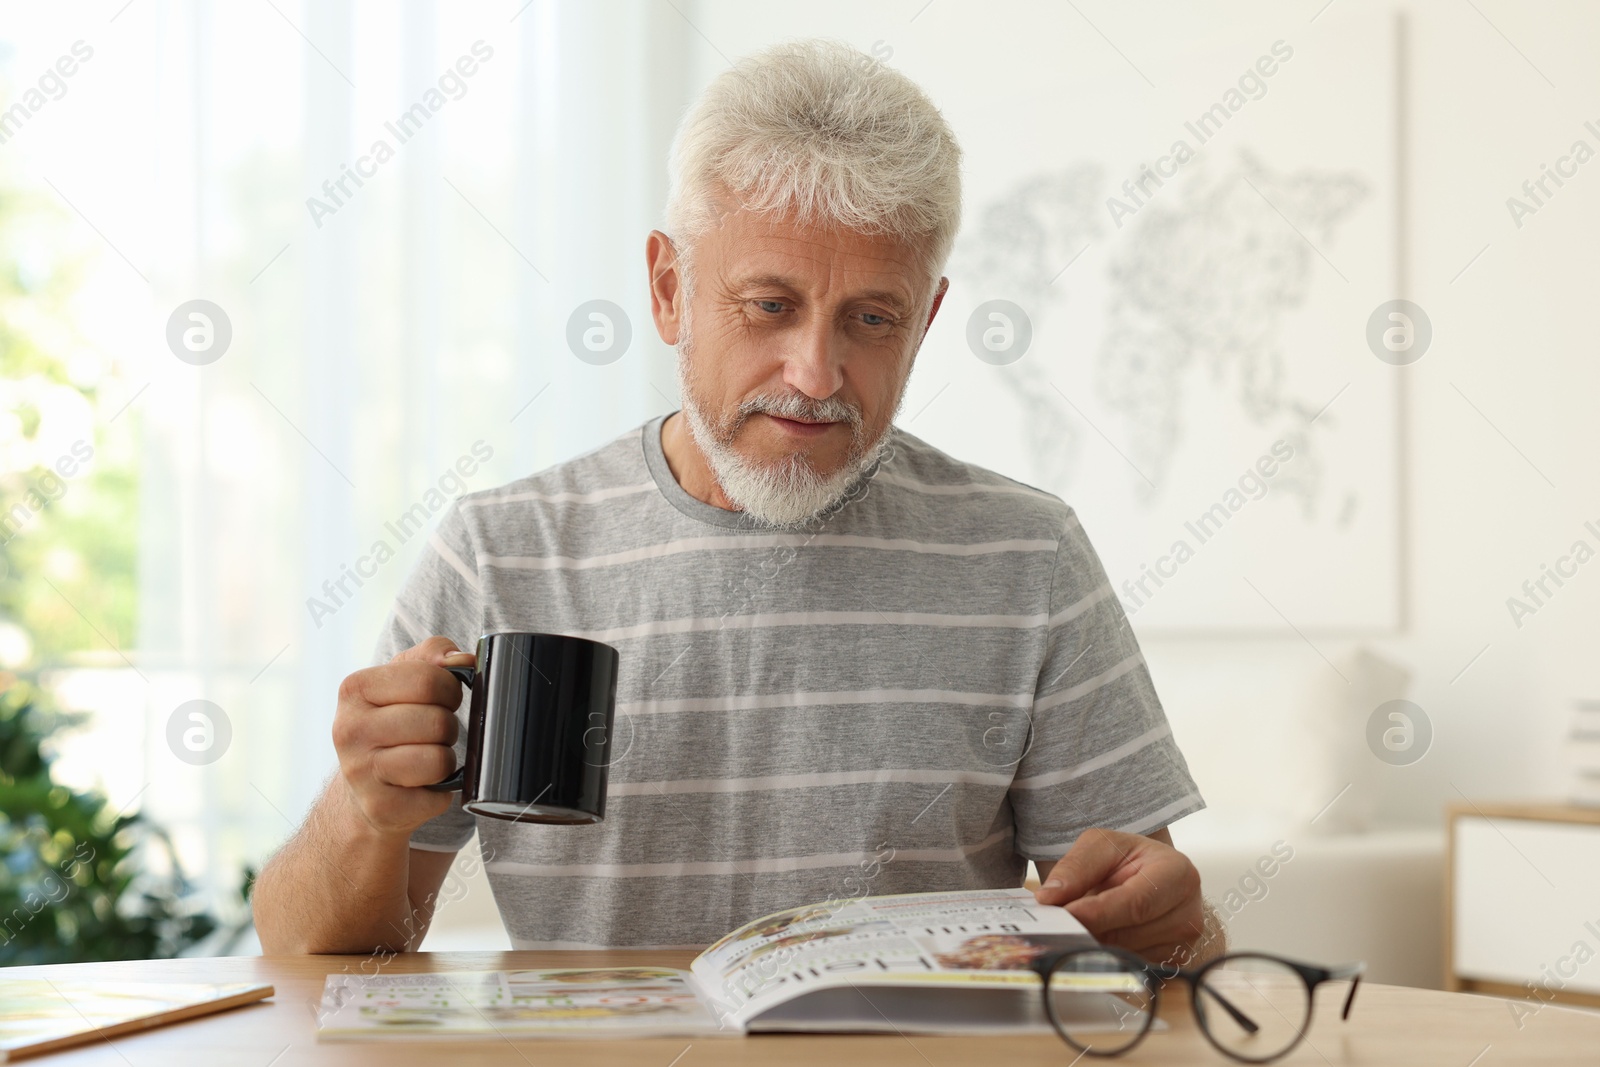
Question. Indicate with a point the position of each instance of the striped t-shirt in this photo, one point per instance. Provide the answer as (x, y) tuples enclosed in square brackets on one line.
[(920, 692)]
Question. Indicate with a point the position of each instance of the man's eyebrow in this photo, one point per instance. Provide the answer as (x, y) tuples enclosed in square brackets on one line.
[(778, 281), (887, 296), (764, 281)]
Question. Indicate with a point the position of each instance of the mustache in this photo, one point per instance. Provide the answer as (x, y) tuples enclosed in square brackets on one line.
[(800, 406)]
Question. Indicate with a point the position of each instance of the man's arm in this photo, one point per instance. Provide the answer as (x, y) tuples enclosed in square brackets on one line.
[(339, 887), (1137, 893), (349, 880), (1101, 753)]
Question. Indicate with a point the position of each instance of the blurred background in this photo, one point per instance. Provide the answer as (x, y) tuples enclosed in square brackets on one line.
[(269, 269)]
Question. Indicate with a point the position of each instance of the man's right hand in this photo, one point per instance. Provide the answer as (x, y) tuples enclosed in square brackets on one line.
[(393, 733)]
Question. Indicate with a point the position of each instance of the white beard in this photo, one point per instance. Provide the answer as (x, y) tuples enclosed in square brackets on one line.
[(790, 492)]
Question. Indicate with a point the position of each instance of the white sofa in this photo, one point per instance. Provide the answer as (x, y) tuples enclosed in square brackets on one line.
[(1375, 896)]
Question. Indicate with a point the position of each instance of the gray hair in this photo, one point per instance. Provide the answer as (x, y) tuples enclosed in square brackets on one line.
[(825, 131)]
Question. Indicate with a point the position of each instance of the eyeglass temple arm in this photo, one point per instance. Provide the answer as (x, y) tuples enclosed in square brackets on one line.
[(1238, 1016), (1352, 971)]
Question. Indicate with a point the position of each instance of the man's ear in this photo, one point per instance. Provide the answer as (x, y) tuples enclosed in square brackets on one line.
[(938, 298), (666, 286)]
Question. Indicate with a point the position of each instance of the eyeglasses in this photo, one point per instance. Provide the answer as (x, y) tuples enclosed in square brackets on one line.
[(1250, 1006)]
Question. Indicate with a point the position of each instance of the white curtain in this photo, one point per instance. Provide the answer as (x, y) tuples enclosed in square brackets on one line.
[(378, 349)]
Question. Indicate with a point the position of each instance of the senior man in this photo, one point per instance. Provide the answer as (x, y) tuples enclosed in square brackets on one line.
[(850, 663)]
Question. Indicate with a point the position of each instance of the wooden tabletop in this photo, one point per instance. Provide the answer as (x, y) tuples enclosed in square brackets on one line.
[(1389, 1025)]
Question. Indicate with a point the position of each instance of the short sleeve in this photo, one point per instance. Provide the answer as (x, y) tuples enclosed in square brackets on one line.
[(1102, 753), (440, 596)]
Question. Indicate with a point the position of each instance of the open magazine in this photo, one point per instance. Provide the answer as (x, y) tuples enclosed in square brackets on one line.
[(916, 962)]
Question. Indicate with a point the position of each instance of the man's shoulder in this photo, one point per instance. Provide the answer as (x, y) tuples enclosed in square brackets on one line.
[(925, 476), (591, 495), (609, 471)]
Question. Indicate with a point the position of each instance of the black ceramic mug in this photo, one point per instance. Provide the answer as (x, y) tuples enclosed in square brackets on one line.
[(539, 732)]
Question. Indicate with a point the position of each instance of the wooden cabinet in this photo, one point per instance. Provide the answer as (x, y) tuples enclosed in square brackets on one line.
[(1522, 901)]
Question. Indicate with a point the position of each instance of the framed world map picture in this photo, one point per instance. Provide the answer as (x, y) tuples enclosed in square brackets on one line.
[(1162, 310)]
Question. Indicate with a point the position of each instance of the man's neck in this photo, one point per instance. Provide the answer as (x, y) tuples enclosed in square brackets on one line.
[(688, 464)]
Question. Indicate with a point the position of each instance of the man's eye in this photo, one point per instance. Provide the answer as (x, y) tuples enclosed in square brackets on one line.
[(870, 319), (772, 307)]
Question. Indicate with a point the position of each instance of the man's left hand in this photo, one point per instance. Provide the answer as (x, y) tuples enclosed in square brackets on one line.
[(1131, 891)]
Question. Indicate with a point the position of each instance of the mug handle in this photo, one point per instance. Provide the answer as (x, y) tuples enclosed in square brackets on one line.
[(466, 676)]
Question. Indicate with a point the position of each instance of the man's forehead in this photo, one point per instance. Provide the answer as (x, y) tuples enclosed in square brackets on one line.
[(762, 250)]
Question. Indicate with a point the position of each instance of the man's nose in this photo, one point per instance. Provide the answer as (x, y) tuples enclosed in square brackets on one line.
[(811, 363)]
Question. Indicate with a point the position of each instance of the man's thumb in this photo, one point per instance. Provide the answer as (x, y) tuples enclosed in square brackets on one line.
[(1092, 857), (436, 649)]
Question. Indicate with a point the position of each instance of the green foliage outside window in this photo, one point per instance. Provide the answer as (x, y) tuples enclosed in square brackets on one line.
[(79, 880)]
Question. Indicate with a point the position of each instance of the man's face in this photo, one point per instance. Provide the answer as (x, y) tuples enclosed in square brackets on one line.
[(801, 342)]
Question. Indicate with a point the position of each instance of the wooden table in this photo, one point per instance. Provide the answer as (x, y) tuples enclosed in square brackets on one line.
[(1389, 1025)]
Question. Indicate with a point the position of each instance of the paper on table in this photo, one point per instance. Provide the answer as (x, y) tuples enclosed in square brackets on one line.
[(41, 1015)]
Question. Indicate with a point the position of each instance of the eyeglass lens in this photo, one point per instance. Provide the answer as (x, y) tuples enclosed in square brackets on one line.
[(1098, 1003), (1252, 1007)]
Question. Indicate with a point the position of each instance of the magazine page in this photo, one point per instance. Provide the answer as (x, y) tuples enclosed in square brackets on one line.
[(972, 939), (608, 1002)]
